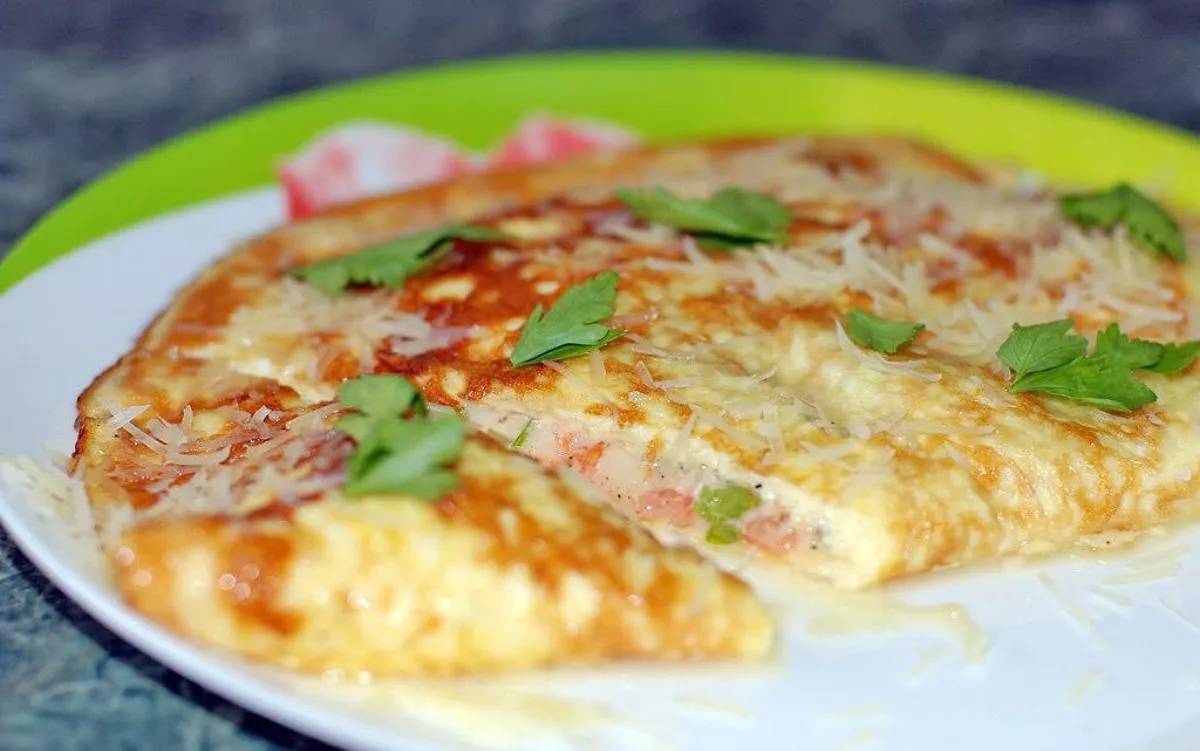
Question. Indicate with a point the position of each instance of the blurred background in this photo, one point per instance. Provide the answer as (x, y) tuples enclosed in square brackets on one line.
[(85, 84)]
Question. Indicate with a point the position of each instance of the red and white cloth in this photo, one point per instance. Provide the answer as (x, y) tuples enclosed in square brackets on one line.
[(362, 159)]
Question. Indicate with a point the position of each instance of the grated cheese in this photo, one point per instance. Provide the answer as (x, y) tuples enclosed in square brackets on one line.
[(679, 444), (595, 391), (1083, 686), (170, 434), (925, 663), (1174, 609), (596, 363), (1173, 554), (1114, 598), (60, 499), (641, 346), (119, 421), (122, 417), (851, 714), (712, 708), (363, 322), (1077, 615), (644, 374), (860, 740), (1156, 572)]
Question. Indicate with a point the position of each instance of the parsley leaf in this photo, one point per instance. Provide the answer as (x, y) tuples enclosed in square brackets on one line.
[(1097, 381), (1147, 222), (731, 218), (752, 208), (399, 448), (1129, 353), (1048, 359), (407, 457), (572, 326), (1103, 209), (391, 263), (1030, 349), (721, 508), (381, 396), (1176, 357), (880, 334)]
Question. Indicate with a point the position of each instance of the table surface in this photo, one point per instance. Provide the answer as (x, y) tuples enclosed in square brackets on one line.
[(88, 83)]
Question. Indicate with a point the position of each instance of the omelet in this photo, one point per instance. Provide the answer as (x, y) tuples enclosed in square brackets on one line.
[(835, 395)]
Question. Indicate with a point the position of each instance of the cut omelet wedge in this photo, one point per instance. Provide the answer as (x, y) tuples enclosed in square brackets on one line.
[(511, 570)]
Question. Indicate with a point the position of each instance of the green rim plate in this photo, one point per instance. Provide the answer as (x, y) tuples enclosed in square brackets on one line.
[(664, 95)]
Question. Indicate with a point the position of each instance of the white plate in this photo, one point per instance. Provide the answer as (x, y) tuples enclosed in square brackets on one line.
[(1069, 668)]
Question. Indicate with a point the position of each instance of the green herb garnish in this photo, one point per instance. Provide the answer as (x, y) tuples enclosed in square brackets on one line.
[(391, 263), (523, 436), (1147, 222), (1048, 359), (1176, 357), (1029, 349), (572, 326), (399, 447), (880, 334), (721, 508), (731, 218), (1090, 380), (1120, 350)]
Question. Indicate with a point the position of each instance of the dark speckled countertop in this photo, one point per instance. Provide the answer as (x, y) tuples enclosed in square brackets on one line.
[(85, 84)]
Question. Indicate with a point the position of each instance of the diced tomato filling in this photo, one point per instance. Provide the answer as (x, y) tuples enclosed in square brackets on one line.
[(668, 504), (581, 457), (772, 533)]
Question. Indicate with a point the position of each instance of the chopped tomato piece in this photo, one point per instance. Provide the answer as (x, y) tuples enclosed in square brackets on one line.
[(772, 532), (665, 503), (581, 457)]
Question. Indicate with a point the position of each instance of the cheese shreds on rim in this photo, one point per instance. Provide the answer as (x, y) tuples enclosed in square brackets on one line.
[(1076, 613), (60, 499)]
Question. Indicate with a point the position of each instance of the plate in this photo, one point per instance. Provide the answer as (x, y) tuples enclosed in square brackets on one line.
[(1090, 652)]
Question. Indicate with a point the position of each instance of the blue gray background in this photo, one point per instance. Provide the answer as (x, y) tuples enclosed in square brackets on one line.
[(85, 84)]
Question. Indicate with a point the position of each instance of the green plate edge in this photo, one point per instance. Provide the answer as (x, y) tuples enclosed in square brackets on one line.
[(663, 94)]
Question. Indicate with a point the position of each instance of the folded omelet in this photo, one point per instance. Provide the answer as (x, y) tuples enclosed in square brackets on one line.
[(796, 357)]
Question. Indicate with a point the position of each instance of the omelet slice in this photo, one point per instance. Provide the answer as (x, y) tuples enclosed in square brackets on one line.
[(511, 570)]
